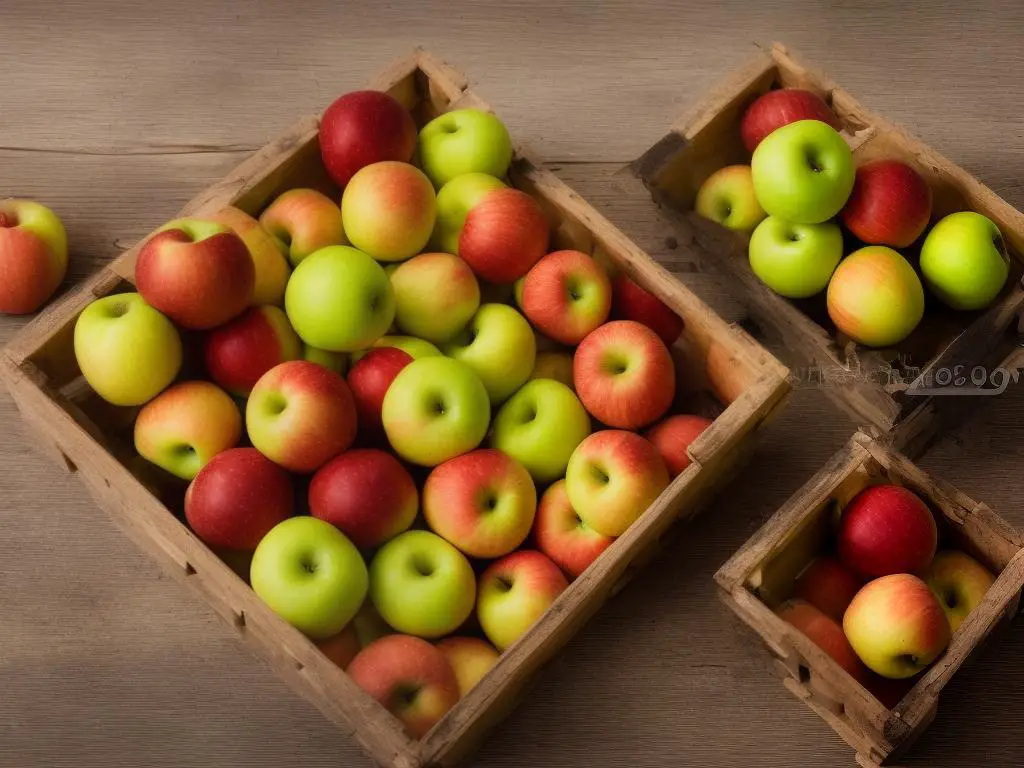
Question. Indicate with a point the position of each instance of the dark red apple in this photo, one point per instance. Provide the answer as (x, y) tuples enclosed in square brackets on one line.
[(887, 529), (890, 204), (362, 128), (631, 302), (782, 107), (826, 633), (369, 380), (828, 585)]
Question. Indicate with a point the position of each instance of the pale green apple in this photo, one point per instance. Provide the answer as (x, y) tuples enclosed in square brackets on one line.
[(310, 575), (727, 196), (128, 351), (803, 172), (540, 426), (421, 585), (795, 260), (435, 409), (464, 141), (332, 361), (339, 299), (499, 346), (964, 260), (416, 348), (454, 201)]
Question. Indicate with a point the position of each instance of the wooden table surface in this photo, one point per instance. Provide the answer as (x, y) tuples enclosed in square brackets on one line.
[(116, 113)]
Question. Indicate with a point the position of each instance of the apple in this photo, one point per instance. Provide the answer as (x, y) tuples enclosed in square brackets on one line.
[(631, 302), (875, 297), (727, 196), (673, 438), (421, 585), (464, 141), (412, 679), (470, 657), (828, 585), (890, 204), (889, 692), (612, 477), (341, 648), (826, 633), (435, 296), (483, 502), (795, 260), (434, 410), (554, 365), (624, 375), (504, 235), (301, 222), (301, 415), (332, 361), (240, 351), (33, 255), (964, 260), (127, 351), (340, 300), (896, 626), (498, 345), (310, 575), (540, 426), (959, 582), (803, 172), (362, 128), (886, 529), (414, 347), (185, 426), (369, 380), (563, 536), (514, 593), (236, 499), (268, 260), (389, 209), (781, 107), (369, 626), (566, 295), (454, 201)]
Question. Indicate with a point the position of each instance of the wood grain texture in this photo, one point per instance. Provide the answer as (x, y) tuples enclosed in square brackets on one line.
[(118, 113)]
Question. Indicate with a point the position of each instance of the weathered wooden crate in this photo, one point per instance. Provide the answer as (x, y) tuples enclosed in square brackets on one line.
[(760, 576), (718, 364), (870, 384)]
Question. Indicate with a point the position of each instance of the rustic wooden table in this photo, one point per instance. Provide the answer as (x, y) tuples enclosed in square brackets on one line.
[(116, 113)]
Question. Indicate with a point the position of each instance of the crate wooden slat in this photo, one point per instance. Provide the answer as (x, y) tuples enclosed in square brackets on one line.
[(760, 576), (707, 138), (716, 361)]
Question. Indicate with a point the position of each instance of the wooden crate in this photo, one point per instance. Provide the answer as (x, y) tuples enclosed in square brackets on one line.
[(760, 576), (717, 363), (867, 383)]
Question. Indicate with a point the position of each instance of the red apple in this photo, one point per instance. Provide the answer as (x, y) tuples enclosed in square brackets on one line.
[(514, 592), (631, 302), (890, 204), (362, 128), (566, 295), (33, 255), (673, 437), (828, 585), (624, 375), (341, 648), (782, 107), (826, 633), (237, 498), (270, 263), (240, 351), (369, 380), (504, 235), (886, 529), (366, 494), (198, 273), (888, 691), (563, 536)]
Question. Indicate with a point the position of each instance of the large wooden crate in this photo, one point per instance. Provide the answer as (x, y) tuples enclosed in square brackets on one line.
[(719, 365), (870, 384), (760, 576)]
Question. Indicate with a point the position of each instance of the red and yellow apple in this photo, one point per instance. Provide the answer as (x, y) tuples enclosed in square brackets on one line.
[(563, 536), (503, 236), (436, 294), (674, 436), (514, 593), (727, 196), (341, 648), (369, 381), (890, 204), (270, 263), (631, 302), (388, 209), (239, 352), (959, 582), (566, 295), (554, 365), (33, 255), (826, 633), (781, 107), (301, 222), (471, 658), (828, 585), (454, 201), (886, 529)]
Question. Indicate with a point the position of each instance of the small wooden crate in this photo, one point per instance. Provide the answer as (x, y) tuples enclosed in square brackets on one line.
[(870, 384), (717, 362), (760, 576)]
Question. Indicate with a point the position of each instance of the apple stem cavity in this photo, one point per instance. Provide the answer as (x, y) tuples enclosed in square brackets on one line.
[(8, 220)]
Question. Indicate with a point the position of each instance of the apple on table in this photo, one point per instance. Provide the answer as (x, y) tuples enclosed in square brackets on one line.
[(33, 255)]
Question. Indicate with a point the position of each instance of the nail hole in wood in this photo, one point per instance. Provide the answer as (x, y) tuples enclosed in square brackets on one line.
[(189, 570), (71, 466), (805, 673), (240, 619)]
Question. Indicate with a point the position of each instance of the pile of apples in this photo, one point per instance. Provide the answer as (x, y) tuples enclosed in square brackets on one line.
[(456, 479), (801, 182), (886, 606)]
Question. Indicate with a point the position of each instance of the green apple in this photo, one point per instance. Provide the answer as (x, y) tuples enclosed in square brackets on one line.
[(339, 299), (795, 260), (421, 585), (332, 361), (310, 575), (464, 141), (454, 201), (499, 346), (540, 426), (416, 348), (803, 172), (727, 196), (435, 409), (964, 260), (128, 351)]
